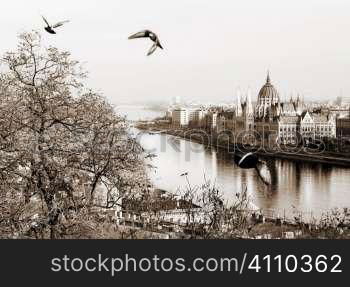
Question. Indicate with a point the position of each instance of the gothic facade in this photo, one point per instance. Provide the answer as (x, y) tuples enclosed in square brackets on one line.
[(288, 122), (240, 118)]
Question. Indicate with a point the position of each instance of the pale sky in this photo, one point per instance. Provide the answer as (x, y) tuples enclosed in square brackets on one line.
[(211, 47)]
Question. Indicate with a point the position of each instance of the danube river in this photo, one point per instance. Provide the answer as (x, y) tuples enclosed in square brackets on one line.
[(303, 187)]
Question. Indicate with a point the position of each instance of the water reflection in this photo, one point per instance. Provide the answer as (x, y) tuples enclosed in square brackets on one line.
[(302, 186), (306, 187)]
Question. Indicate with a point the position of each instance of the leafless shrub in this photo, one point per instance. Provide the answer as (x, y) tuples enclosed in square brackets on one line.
[(215, 218)]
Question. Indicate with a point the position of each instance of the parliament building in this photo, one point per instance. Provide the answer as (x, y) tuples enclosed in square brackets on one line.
[(288, 122)]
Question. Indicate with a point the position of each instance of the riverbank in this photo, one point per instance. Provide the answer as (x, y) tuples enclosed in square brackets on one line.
[(307, 193), (301, 155)]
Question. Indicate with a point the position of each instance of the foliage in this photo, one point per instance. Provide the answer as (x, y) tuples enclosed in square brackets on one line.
[(63, 150)]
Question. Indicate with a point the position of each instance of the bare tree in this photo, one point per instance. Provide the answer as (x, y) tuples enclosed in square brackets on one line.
[(60, 143)]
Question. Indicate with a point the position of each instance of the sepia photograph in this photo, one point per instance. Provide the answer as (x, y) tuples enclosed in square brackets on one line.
[(184, 120)]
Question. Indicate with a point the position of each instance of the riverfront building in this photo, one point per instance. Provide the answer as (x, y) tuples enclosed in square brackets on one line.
[(180, 117), (343, 128), (240, 118), (288, 122), (274, 120)]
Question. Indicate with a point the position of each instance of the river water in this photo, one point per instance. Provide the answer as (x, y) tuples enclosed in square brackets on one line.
[(302, 187)]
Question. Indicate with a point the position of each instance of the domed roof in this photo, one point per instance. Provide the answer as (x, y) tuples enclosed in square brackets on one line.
[(268, 94)]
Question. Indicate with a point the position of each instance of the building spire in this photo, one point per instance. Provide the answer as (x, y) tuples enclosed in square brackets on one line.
[(291, 100), (239, 104), (250, 110), (268, 80)]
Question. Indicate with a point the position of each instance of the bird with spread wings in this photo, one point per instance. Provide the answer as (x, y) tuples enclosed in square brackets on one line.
[(152, 36), (50, 28)]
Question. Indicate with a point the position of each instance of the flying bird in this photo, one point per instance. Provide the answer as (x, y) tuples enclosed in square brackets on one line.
[(251, 160), (50, 28), (152, 36)]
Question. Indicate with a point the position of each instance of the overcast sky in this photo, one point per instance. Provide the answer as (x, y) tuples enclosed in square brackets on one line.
[(211, 47)]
